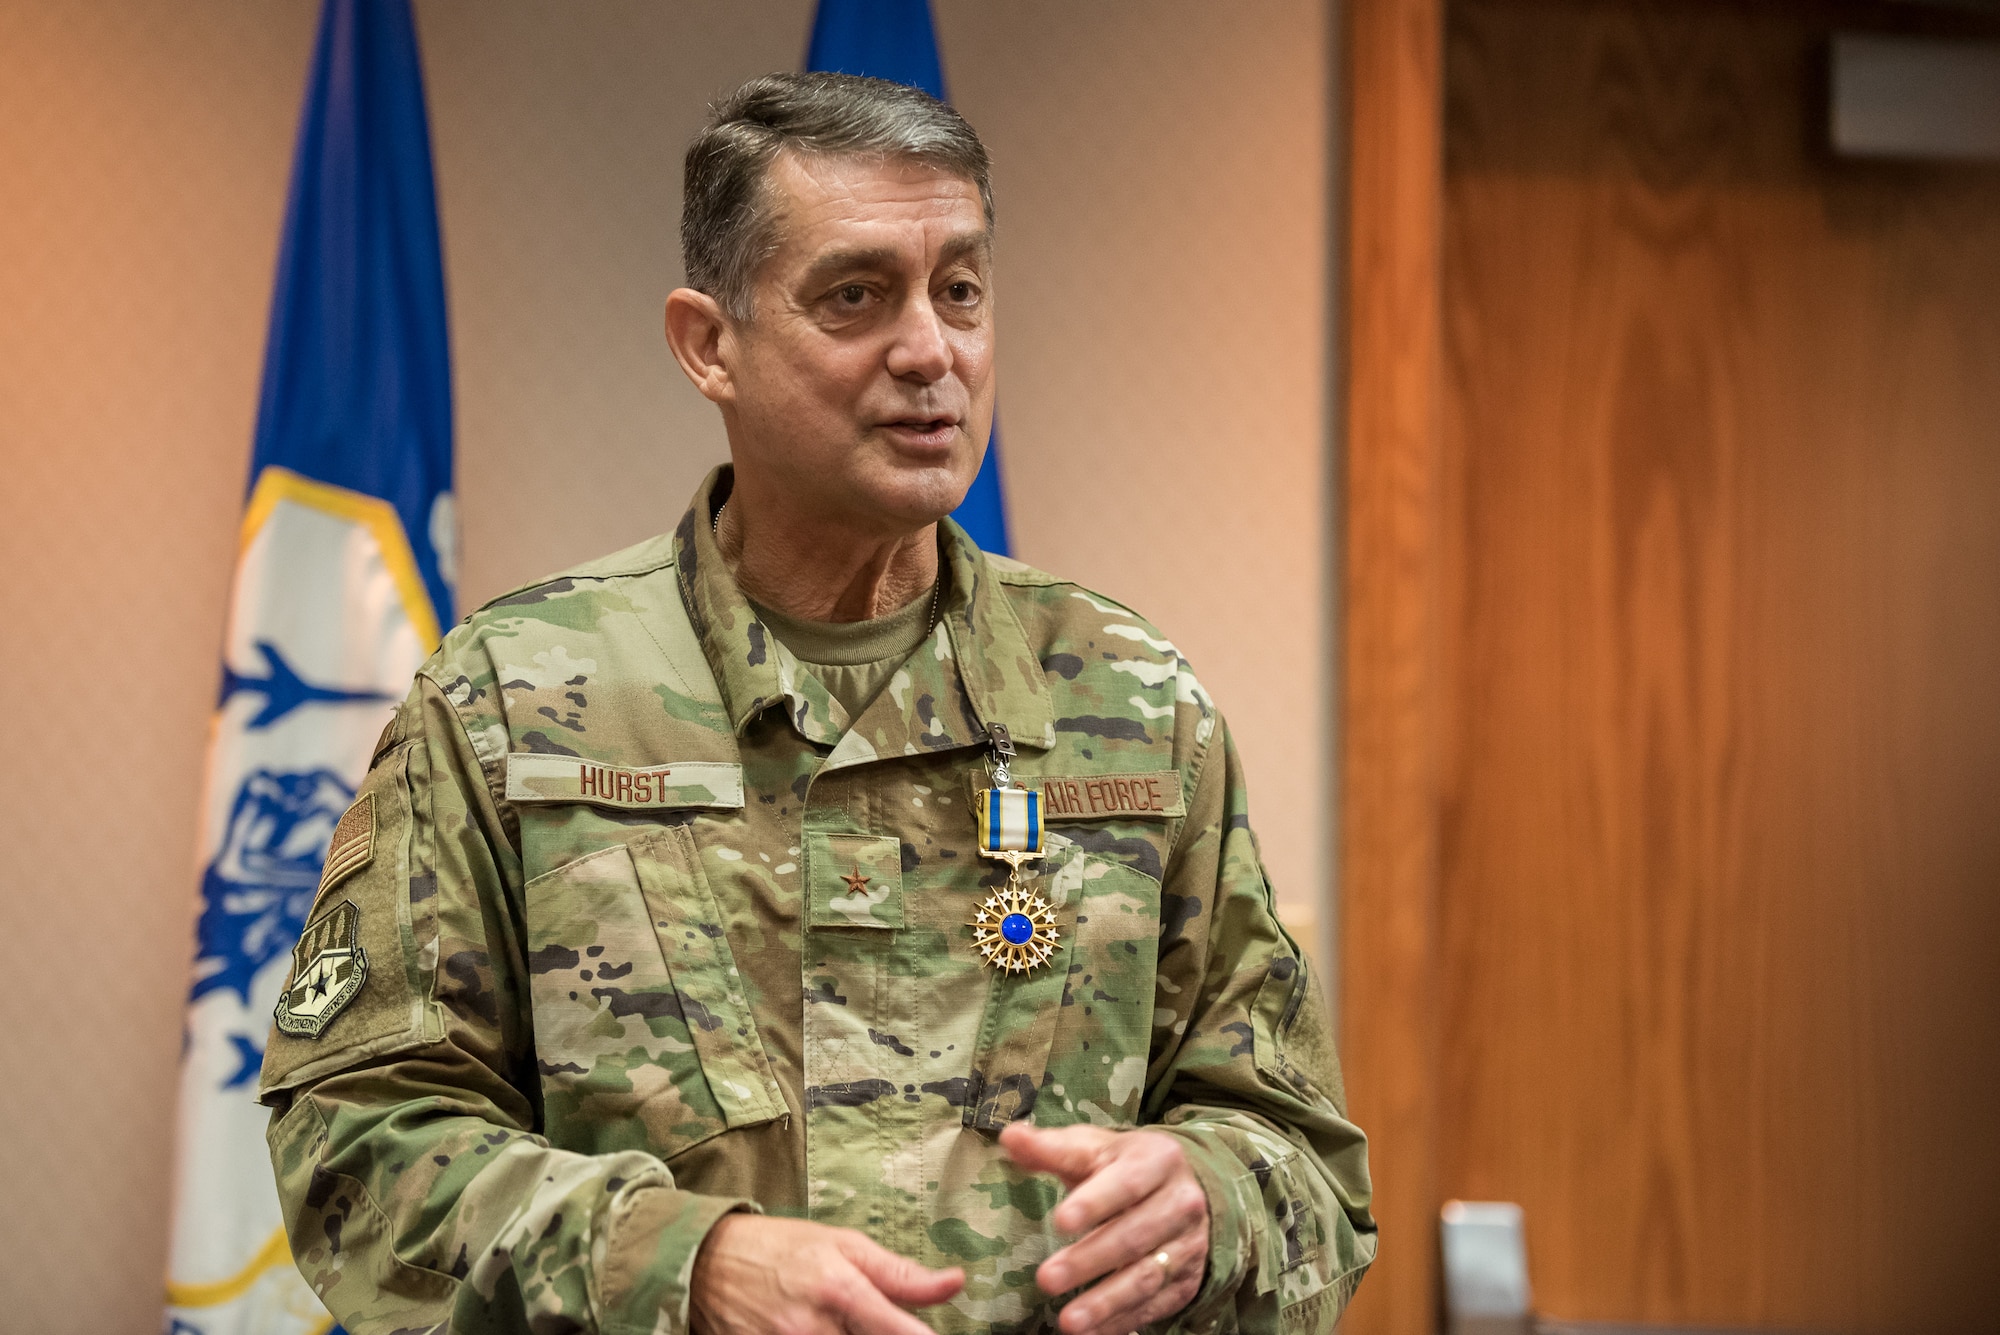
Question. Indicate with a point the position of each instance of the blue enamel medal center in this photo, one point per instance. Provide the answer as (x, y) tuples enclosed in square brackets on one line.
[(1014, 930)]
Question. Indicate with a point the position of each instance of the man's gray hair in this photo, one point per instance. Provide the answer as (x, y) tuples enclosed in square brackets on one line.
[(728, 218)]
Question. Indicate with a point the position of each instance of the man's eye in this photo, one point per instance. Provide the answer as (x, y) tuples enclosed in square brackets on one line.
[(853, 294), (962, 293)]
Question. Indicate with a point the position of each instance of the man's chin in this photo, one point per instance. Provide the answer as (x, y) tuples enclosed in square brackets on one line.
[(873, 489), (915, 495)]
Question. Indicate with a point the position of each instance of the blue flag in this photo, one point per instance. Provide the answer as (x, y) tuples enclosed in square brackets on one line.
[(896, 40), (344, 577)]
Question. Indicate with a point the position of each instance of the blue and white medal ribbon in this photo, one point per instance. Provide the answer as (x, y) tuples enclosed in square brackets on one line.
[(1010, 824)]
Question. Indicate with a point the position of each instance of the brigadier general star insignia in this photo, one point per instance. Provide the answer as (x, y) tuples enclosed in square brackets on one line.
[(328, 968)]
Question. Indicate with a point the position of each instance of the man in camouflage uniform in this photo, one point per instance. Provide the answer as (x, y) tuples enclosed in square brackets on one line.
[(642, 993)]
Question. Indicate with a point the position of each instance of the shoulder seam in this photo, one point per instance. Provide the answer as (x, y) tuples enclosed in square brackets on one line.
[(630, 570), (1027, 577), (571, 575), (492, 771), (1197, 774), (1030, 578)]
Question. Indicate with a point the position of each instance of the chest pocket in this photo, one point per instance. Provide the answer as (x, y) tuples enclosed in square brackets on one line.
[(1071, 1043), (643, 1036), (855, 880)]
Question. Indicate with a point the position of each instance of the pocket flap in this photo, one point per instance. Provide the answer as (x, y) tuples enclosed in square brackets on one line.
[(856, 880), (721, 1024)]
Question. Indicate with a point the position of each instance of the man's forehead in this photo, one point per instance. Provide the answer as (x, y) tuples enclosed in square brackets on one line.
[(825, 204)]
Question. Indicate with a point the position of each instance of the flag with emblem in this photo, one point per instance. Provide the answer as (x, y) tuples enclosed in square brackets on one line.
[(344, 574), (896, 40)]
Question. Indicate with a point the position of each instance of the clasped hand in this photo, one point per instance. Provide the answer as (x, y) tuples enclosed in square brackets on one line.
[(1139, 1217)]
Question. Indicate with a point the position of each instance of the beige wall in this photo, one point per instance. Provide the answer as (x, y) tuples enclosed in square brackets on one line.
[(143, 153), (1162, 308)]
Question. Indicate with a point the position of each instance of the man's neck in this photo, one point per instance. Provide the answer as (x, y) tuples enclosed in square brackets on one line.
[(817, 570)]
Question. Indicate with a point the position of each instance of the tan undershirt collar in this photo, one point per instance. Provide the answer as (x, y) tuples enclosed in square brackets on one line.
[(853, 659)]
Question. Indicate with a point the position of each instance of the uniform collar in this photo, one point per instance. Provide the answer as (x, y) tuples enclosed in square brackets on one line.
[(975, 669)]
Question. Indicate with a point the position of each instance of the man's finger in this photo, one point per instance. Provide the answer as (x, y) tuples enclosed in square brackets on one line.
[(1170, 1301), (1132, 1170), (1141, 1293), (1111, 1299), (1071, 1152), (867, 1312), (1138, 1232), (899, 1279)]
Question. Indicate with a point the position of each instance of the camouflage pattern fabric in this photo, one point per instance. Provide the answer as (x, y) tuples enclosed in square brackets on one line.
[(707, 949)]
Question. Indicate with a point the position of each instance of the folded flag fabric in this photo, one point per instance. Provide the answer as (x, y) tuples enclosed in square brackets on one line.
[(344, 576)]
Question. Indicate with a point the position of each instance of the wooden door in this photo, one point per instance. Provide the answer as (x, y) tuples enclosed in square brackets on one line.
[(1718, 830)]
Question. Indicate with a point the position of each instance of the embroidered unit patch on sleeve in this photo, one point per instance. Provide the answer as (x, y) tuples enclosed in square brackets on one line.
[(328, 968), (353, 842)]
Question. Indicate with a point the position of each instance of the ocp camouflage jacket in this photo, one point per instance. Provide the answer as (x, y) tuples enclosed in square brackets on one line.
[(651, 931)]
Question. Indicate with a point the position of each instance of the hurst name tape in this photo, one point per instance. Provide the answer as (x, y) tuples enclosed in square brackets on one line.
[(533, 777)]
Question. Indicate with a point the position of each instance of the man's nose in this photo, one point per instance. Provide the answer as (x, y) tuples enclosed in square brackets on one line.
[(920, 350)]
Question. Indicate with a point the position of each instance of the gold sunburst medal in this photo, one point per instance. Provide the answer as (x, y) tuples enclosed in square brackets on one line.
[(1015, 930)]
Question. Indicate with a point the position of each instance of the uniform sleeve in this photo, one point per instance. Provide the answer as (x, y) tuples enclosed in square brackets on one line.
[(1247, 1077), (415, 1192)]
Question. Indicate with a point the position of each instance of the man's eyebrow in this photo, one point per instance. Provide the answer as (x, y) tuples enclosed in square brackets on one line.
[(864, 258), (978, 243), (847, 261)]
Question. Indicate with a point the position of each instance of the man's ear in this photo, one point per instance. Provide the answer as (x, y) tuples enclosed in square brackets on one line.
[(701, 336)]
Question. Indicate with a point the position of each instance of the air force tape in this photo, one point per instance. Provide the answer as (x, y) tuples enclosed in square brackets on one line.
[(328, 968)]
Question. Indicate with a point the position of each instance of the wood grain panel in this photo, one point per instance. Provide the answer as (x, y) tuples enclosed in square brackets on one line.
[(1719, 842), (1389, 705)]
